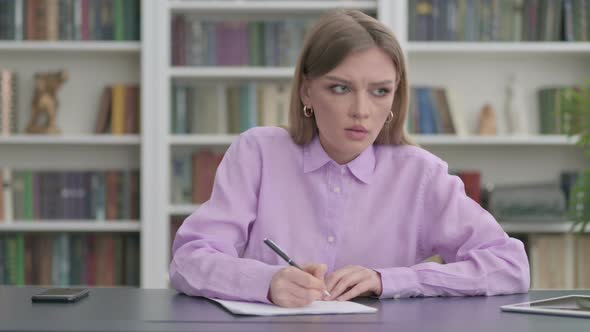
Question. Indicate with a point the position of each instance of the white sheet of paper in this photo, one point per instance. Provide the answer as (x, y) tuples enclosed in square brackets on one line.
[(316, 308)]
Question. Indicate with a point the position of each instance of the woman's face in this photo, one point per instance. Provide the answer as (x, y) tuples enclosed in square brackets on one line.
[(352, 102)]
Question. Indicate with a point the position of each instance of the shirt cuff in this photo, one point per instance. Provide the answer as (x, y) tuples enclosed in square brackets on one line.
[(398, 282), (262, 284)]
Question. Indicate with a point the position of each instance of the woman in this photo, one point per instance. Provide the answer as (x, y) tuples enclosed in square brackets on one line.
[(344, 191)]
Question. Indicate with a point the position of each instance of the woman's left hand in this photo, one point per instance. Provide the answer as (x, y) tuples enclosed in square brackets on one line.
[(352, 281)]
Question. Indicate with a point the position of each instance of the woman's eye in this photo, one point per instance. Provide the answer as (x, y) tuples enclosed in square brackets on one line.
[(340, 89), (381, 92)]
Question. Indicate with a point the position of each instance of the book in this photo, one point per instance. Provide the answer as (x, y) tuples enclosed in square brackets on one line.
[(582, 274), (8, 106), (205, 165), (534, 202), (7, 195), (472, 182), (2, 213), (132, 107), (551, 261), (118, 109), (103, 118)]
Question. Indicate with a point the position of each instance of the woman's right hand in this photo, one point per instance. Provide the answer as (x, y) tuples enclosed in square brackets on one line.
[(291, 287)]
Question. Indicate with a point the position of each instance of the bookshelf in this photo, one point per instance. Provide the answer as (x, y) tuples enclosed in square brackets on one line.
[(498, 48), (426, 140), (106, 140), (182, 209), (476, 71), (258, 7), (231, 73), (71, 226), (91, 64), (71, 46)]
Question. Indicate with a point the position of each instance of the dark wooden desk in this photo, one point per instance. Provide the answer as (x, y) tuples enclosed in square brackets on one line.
[(128, 309)]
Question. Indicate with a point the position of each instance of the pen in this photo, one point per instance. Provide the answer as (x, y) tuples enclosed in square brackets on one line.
[(284, 256)]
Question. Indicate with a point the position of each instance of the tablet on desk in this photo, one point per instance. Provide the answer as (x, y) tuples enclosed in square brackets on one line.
[(570, 305)]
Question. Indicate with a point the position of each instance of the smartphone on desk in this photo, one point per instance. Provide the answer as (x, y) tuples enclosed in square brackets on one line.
[(69, 295)]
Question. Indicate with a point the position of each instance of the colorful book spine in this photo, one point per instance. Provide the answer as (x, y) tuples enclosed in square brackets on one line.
[(118, 109), (8, 112)]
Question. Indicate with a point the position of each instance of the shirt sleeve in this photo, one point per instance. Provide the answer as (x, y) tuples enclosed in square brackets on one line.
[(480, 258), (207, 248)]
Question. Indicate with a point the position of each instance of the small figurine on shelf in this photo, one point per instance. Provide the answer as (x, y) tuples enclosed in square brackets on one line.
[(487, 121), (515, 111), (45, 104)]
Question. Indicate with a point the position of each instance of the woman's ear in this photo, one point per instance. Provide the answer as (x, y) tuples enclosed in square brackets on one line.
[(304, 92)]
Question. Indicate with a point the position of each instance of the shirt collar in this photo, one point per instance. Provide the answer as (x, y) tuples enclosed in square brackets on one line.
[(362, 167)]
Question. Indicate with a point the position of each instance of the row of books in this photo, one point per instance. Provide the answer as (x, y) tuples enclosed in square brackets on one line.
[(193, 176), (236, 43), (553, 264), (535, 202), (242, 1), (559, 261), (69, 259), (119, 110), (234, 108), (8, 102), (554, 117), (175, 223), (118, 114), (70, 19), (219, 108), (433, 111), (472, 184), (69, 195), (499, 20)]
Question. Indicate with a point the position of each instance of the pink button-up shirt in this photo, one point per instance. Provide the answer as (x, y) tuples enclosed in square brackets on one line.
[(389, 209)]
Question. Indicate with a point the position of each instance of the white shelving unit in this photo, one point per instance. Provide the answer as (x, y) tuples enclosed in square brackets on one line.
[(426, 140), (231, 73), (22, 139), (498, 47), (537, 227), (476, 140), (201, 140), (476, 72), (182, 74), (71, 226), (182, 209), (72, 46), (258, 7), (91, 65)]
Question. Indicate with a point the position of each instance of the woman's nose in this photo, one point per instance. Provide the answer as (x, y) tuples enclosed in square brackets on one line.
[(360, 107)]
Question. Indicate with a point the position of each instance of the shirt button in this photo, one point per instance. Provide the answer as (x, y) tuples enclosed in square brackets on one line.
[(336, 189), (330, 239)]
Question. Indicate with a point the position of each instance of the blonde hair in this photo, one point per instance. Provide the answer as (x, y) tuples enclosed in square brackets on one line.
[(336, 35)]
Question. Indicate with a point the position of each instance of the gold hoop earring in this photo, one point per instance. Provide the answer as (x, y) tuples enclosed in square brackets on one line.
[(307, 111), (389, 117)]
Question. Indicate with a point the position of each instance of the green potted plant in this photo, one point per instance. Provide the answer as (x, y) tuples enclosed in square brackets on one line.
[(575, 106)]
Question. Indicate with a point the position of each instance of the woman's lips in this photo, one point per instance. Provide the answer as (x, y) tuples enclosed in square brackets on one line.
[(356, 134)]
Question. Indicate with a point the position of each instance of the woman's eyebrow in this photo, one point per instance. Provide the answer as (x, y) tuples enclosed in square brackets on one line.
[(341, 80)]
